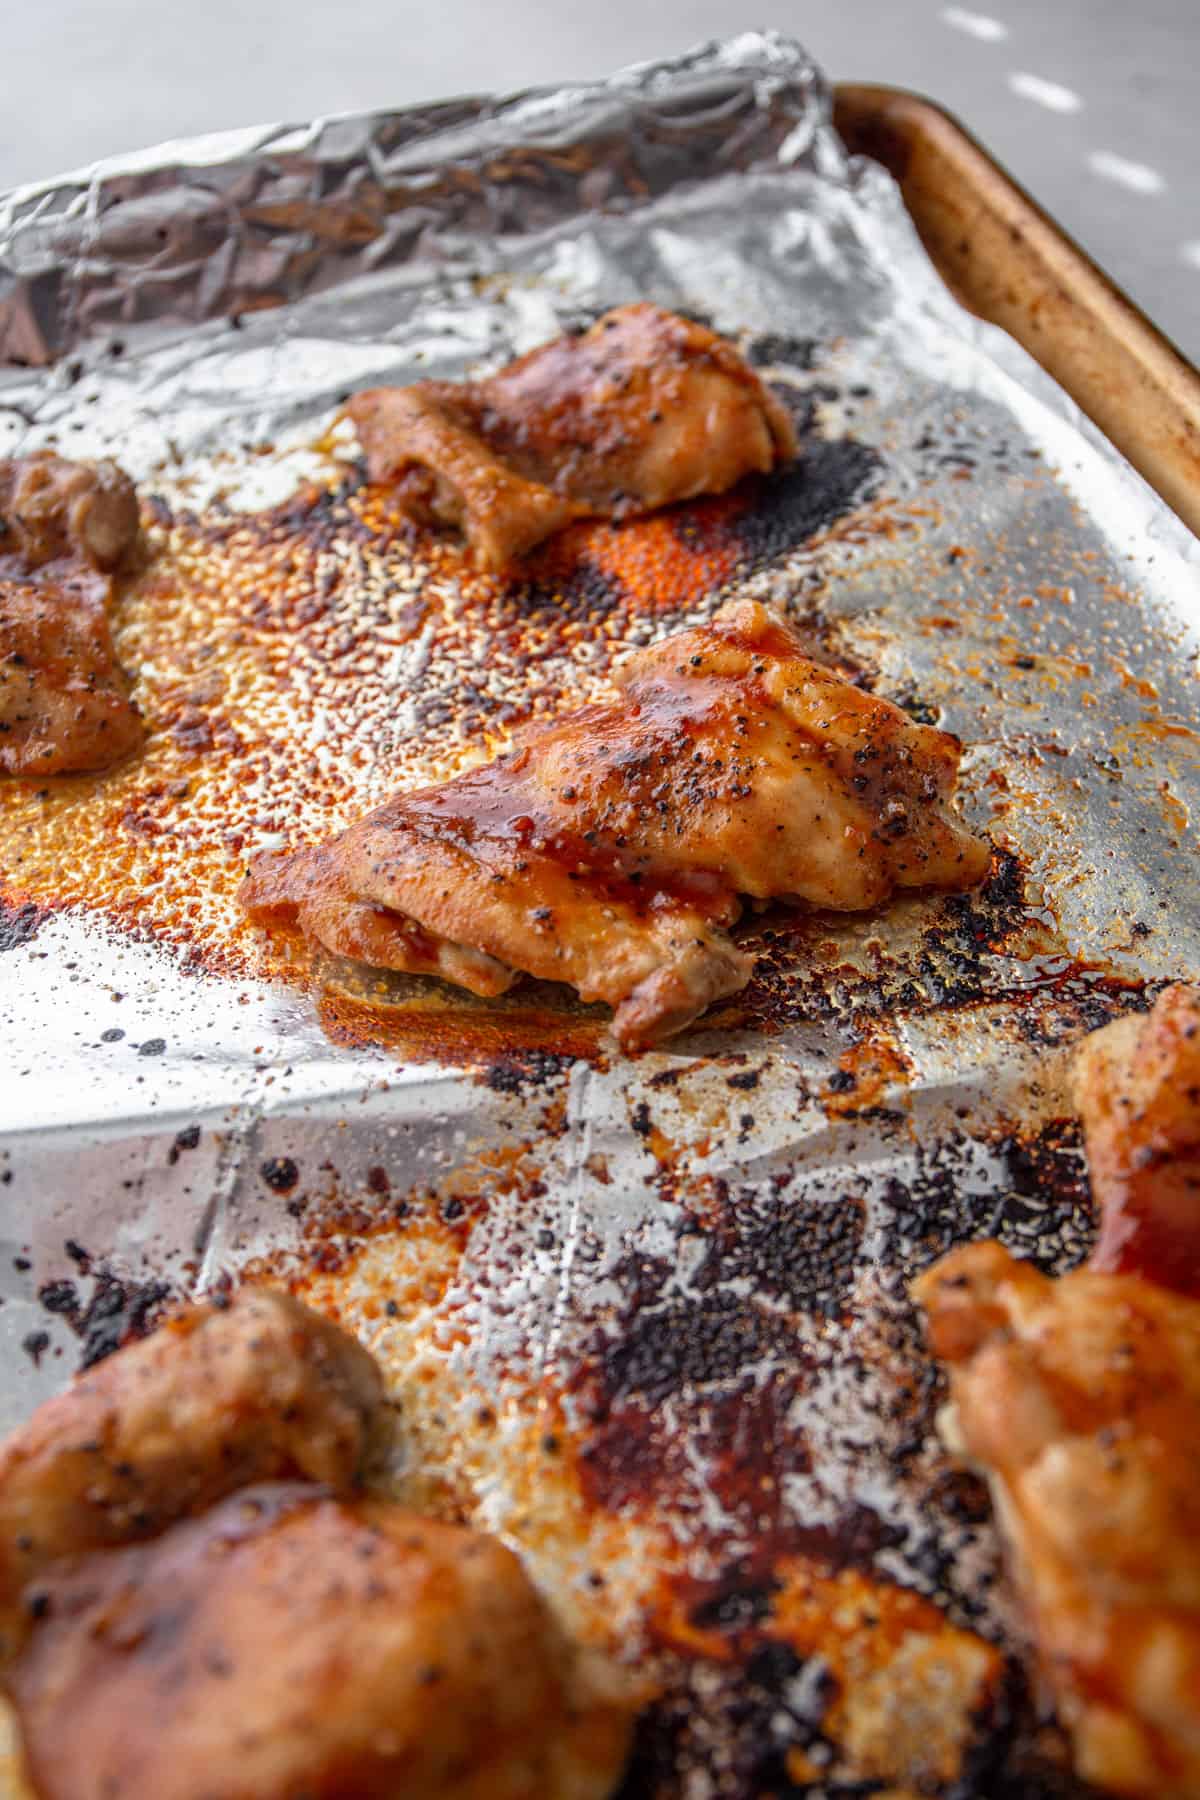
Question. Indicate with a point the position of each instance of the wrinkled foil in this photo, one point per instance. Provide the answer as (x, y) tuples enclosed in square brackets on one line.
[(228, 293)]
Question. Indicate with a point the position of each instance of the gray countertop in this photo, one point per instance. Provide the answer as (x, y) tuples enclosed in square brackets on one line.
[(1093, 105)]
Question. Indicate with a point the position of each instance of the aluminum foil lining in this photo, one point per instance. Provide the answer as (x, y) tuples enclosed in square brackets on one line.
[(648, 1319)]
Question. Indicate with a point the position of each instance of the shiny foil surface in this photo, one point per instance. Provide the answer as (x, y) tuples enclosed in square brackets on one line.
[(648, 1319)]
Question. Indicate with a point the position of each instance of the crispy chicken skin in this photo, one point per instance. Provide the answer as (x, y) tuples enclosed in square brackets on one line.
[(293, 1646), (1137, 1088), (263, 1389), (1081, 1398), (610, 848), (644, 409), (65, 529)]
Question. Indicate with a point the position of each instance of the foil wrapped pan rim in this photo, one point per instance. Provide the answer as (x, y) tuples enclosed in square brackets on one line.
[(296, 203)]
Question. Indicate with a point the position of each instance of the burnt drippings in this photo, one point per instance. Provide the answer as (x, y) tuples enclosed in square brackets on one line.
[(519, 1071), (952, 445), (281, 1173), (1037, 1762), (774, 349), (712, 1367), (769, 1384), (186, 1139), (18, 924), (793, 1248), (704, 1342), (758, 1717), (578, 588), (968, 931), (935, 954), (35, 1345), (741, 1431), (1085, 1000), (1045, 1212), (687, 1409), (341, 1217), (734, 1723), (790, 507), (318, 514), (919, 710), (692, 1389), (953, 960), (116, 1311), (1037, 1201), (782, 1702)]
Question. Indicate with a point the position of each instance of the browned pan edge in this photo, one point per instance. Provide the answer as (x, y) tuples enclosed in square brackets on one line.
[(1007, 261)]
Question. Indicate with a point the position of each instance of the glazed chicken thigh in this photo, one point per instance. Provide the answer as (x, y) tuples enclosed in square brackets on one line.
[(200, 1599), (289, 1644), (218, 1398), (65, 529), (1081, 1399), (1137, 1088), (643, 409), (609, 849), (64, 700)]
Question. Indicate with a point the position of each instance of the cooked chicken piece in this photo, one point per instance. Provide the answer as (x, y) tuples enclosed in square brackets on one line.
[(642, 410), (291, 1646), (1137, 1087), (608, 850), (315, 887), (262, 1389), (1081, 1399), (51, 508), (195, 1606), (64, 701)]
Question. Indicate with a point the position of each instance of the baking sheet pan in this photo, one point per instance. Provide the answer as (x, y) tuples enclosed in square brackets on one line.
[(649, 1318), (1006, 260)]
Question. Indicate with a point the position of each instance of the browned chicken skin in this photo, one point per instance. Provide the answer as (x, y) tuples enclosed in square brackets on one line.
[(1137, 1087), (609, 849), (1081, 1398), (218, 1398), (200, 1602), (64, 700), (644, 409), (65, 528), (293, 1646)]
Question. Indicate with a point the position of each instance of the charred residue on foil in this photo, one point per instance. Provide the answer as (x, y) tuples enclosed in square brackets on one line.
[(18, 923), (818, 1681), (702, 1382), (745, 1397), (106, 1309), (103, 1306)]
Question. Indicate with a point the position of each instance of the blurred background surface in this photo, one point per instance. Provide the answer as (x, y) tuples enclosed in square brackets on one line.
[(1093, 105)]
